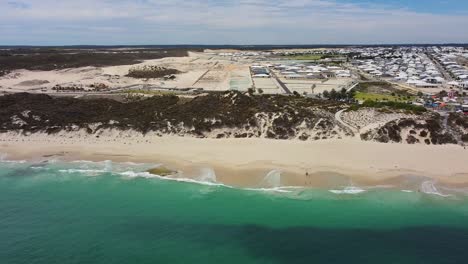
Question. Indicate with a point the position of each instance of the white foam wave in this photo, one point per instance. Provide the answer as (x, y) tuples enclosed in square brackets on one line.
[(348, 190), (147, 175), (272, 179), (38, 168), (82, 161), (82, 171), (207, 175), (428, 187), (138, 164), (407, 191), (52, 161), (276, 189), (291, 187), (13, 161), (133, 174), (108, 165)]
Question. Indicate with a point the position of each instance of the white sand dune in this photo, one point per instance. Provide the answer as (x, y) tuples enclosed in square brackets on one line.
[(193, 68)]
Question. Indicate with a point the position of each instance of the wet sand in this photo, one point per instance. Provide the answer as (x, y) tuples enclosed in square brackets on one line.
[(245, 162)]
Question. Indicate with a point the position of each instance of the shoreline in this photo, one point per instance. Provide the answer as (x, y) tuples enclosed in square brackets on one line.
[(246, 162)]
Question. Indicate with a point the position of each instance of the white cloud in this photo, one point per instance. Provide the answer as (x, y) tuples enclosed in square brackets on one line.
[(224, 22)]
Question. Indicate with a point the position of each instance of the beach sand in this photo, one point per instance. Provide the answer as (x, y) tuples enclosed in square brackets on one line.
[(245, 162)]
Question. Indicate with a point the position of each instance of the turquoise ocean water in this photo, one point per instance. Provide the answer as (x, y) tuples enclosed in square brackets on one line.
[(83, 212)]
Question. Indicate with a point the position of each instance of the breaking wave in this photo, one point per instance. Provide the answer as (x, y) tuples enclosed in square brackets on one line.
[(147, 175), (348, 190), (428, 187), (84, 171)]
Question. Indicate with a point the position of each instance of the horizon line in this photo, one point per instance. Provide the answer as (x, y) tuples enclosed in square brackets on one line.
[(234, 45)]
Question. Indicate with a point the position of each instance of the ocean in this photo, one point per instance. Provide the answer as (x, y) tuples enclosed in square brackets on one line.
[(104, 212)]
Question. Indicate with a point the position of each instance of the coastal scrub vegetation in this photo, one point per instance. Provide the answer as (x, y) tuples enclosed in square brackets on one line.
[(235, 114), (459, 125), (220, 115), (47, 59), (150, 71), (393, 97), (390, 105), (161, 171), (431, 129), (342, 95)]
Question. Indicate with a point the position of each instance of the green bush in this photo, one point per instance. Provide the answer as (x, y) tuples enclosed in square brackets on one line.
[(392, 105)]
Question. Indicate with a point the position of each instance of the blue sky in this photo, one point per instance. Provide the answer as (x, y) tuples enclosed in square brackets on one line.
[(431, 6), (113, 22)]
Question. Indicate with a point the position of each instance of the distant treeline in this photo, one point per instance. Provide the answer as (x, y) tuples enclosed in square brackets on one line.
[(56, 59), (240, 47)]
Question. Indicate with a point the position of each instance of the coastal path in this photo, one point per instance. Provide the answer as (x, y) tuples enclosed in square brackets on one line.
[(340, 120)]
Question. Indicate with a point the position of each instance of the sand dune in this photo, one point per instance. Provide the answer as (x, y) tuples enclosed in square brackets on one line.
[(193, 68)]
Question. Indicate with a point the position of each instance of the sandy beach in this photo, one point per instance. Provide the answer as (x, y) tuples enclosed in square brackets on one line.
[(245, 162)]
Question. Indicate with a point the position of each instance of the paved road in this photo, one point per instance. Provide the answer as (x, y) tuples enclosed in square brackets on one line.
[(283, 86), (440, 68)]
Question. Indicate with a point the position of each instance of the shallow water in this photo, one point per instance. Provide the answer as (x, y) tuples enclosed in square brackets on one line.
[(84, 212)]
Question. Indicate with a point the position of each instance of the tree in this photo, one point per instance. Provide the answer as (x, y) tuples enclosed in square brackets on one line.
[(260, 91), (443, 93), (296, 94), (333, 94), (326, 94), (351, 94), (251, 91), (420, 94), (343, 93)]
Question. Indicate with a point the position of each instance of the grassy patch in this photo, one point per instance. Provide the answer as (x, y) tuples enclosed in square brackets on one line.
[(365, 86), (306, 57), (391, 105), (362, 96)]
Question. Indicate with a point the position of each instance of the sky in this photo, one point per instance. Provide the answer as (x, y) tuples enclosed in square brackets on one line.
[(242, 22)]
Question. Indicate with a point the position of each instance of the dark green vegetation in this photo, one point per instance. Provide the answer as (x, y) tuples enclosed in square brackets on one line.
[(459, 124), (241, 115), (222, 115), (306, 57), (61, 58), (415, 109), (342, 95), (147, 72), (431, 131), (161, 171)]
